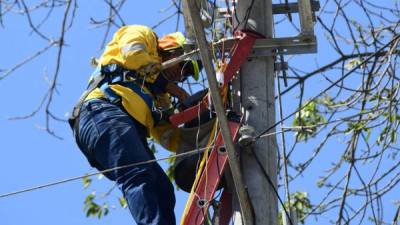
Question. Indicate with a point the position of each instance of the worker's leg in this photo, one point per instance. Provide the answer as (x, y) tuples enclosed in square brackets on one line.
[(166, 195), (110, 138)]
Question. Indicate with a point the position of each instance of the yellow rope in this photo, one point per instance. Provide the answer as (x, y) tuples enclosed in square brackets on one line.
[(200, 169), (204, 160)]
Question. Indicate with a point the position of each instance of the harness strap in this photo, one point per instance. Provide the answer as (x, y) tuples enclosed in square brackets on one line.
[(106, 75), (102, 78), (93, 84)]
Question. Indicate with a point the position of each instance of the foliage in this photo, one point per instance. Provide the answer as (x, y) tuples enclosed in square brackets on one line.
[(122, 202), (299, 203), (91, 206), (152, 145), (94, 209), (308, 119), (346, 133), (86, 181), (171, 168)]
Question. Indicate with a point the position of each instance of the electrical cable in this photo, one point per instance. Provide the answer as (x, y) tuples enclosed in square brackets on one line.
[(235, 13), (246, 19), (246, 16), (285, 169), (268, 178), (265, 131), (329, 87), (185, 154), (179, 6)]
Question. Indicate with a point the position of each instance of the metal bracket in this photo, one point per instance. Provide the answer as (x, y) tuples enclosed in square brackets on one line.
[(301, 44), (274, 46), (293, 7), (285, 46), (278, 66), (280, 8), (306, 17)]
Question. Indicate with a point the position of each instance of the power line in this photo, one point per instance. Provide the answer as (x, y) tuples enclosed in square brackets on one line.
[(330, 86), (284, 156), (262, 134), (181, 155), (268, 178), (185, 154)]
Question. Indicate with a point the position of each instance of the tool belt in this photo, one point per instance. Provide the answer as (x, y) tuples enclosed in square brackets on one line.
[(108, 74)]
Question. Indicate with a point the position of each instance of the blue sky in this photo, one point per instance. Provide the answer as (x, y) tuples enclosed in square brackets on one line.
[(31, 157)]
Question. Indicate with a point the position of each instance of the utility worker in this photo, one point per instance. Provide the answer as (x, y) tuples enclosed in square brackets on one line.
[(124, 104)]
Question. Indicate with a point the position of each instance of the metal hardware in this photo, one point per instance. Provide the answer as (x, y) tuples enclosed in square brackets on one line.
[(292, 7), (201, 203), (279, 66), (222, 150), (247, 134)]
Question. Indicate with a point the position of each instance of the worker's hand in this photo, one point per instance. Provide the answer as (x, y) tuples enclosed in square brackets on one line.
[(150, 69), (176, 91)]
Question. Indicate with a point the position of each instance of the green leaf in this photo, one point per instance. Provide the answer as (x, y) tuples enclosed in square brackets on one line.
[(382, 135), (91, 207), (122, 202), (300, 203), (320, 183), (309, 116), (153, 148), (393, 136), (368, 133), (171, 168), (352, 63), (86, 182), (355, 127), (94, 209)]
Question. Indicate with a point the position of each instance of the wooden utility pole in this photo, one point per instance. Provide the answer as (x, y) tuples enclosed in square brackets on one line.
[(258, 105)]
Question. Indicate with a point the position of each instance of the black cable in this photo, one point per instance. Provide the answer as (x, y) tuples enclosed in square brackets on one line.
[(329, 87), (246, 17), (272, 185), (179, 14), (181, 155), (235, 13), (332, 85), (288, 9)]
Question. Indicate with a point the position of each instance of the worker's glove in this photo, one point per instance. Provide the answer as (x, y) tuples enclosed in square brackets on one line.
[(150, 69), (161, 115)]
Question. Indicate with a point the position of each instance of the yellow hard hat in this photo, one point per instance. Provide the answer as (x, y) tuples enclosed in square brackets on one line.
[(172, 41)]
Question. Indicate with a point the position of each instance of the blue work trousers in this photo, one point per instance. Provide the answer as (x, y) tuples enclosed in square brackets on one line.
[(110, 138)]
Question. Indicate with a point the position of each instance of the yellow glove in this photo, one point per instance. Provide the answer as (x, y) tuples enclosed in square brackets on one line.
[(150, 71)]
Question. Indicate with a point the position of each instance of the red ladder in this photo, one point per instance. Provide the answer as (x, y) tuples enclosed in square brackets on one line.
[(200, 200)]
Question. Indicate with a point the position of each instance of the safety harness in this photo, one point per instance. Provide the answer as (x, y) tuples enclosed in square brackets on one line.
[(106, 75)]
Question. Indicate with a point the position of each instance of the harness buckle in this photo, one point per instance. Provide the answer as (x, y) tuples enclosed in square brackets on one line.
[(128, 75)]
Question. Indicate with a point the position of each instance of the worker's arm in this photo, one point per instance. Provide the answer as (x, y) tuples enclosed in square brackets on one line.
[(176, 91), (163, 132)]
